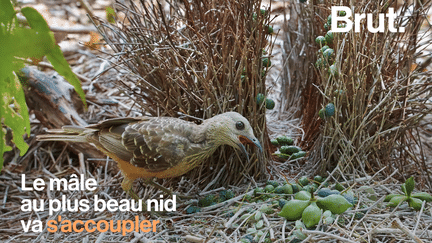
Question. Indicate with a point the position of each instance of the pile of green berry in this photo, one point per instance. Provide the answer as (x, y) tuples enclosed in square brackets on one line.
[(269, 103), (211, 200), (328, 111), (287, 150)]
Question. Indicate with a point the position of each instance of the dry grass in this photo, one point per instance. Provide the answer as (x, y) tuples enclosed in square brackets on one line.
[(195, 60), (380, 94)]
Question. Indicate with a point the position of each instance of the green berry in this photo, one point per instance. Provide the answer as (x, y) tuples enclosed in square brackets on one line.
[(273, 183), (330, 110), (303, 181), (284, 140), (260, 99), (266, 62), (274, 142), (323, 49), (193, 209), (270, 104), (269, 29), (329, 19), (328, 53), (342, 13), (329, 37), (320, 40), (326, 26), (269, 188), (298, 155)]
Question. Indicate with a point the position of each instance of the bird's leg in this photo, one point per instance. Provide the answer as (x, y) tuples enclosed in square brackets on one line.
[(127, 187)]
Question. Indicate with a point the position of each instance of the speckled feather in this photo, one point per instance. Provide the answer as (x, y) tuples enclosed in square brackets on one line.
[(158, 146)]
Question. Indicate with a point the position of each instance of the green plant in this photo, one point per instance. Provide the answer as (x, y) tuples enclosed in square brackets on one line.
[(19, 43), (414, 199)]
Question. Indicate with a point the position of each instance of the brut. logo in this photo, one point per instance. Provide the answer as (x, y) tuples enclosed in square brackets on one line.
[(391, 16)]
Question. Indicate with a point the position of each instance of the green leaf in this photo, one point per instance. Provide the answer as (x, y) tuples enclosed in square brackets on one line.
[(409, 185), (390, 196), (35, 19), (396, 200), (30, 43), (2, 143), (415, 203), (422, 196), (7, 12), (62, 67), (14, 111), (110, 14)]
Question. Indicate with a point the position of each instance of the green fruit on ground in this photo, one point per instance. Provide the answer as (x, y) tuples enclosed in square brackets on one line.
[(284, 140), (339, 187), (296, 188), (321, 113), (260, 99), (269, 104), (309, 188), (330, 109), (282, 157), (329, 37), (274, 142), (324, 192), (320, 40), (318, 178), (298, 155), (258, 190), (193, 209), (328, 54), (269, 188), (293, 209), (422, 196), (282, 202), (279, 190), (349, 196), (266, 62), (206, 201), (337, 204), (247, 197), (287, 189), (290, 149), (303, 181), (273, 183), (303, 195), (311, 215)]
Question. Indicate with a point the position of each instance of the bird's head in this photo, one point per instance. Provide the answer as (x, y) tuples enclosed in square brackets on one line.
[(232, 129)]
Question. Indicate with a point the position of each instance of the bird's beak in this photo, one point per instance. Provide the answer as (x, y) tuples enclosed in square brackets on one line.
[(247, 140)]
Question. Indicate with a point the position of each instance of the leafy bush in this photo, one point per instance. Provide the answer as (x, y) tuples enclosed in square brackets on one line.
[(19, 43)]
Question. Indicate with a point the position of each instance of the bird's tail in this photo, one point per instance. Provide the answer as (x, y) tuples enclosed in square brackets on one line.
[(67, 134)]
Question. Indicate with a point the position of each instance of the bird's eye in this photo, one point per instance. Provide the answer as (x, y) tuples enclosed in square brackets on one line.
[(240, 125)]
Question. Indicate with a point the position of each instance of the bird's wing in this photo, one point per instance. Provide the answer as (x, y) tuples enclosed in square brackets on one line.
[(155, 144)]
